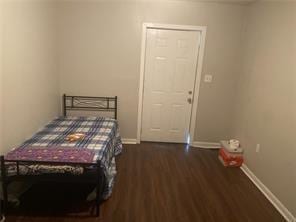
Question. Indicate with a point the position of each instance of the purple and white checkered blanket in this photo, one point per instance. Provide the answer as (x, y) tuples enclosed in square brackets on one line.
[(102, 142)]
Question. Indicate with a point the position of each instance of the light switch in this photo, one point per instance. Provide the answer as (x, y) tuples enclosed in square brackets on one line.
[(208, 78)]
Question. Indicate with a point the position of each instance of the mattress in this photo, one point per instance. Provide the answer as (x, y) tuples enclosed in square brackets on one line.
[(102, 143)]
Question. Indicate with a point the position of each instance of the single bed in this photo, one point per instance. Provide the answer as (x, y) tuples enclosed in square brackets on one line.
[(49, 156)]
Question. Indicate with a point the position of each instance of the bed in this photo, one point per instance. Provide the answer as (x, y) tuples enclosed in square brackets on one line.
[(50, 156)]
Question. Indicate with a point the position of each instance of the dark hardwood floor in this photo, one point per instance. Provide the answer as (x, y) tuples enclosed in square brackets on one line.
[(156, 182)]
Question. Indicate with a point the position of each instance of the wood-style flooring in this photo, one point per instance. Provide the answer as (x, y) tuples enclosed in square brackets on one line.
[(156, 182)]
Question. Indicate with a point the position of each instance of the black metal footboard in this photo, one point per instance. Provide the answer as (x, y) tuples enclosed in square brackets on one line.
[(97, 177)]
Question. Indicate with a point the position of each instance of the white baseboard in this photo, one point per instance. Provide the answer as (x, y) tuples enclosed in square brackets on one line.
[(205, 145), (128, 141), (269, 195)]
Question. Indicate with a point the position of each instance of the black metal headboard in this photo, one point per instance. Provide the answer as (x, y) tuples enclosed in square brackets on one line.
[(89, 103)]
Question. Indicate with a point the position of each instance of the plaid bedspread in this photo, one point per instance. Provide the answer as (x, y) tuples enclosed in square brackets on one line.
[(102, 139)]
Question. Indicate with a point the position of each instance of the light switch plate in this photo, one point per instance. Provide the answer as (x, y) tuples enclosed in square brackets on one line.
[(208, 78), (258, 148)]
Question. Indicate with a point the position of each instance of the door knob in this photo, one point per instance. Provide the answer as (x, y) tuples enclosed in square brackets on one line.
[(189, 92), (189, 100)]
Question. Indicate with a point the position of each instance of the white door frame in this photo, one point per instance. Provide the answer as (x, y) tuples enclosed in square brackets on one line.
[(203, 31)]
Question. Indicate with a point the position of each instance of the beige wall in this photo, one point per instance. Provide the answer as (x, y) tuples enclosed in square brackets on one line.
[(30, 89), (100, 47), (266, 108), (1, 74)]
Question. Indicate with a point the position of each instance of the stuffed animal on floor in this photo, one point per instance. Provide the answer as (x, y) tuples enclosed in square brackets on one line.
[(75, 136)]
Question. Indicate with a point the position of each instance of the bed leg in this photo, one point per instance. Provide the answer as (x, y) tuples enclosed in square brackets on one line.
[(64, 105), (97, 209), (99, 190), (4, 185)]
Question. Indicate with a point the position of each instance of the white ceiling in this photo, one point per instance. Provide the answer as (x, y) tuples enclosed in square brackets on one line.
[(209, 1), (224, 1)]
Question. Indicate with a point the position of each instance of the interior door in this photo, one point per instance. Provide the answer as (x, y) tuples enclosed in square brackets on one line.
[(170, 72)]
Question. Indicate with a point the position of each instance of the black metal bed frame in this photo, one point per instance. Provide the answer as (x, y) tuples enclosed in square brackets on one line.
[(83, 103), (89, 103)]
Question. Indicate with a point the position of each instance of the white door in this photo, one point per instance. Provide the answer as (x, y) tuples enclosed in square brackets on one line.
[(170, 71)]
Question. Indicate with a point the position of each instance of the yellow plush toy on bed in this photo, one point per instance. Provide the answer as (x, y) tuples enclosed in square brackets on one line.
[(75, 136)]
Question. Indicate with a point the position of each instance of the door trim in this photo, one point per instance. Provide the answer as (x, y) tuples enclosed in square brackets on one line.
[(203, 31)]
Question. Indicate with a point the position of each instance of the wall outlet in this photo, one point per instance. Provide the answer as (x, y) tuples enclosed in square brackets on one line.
[(208, 78), (258, 148)]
